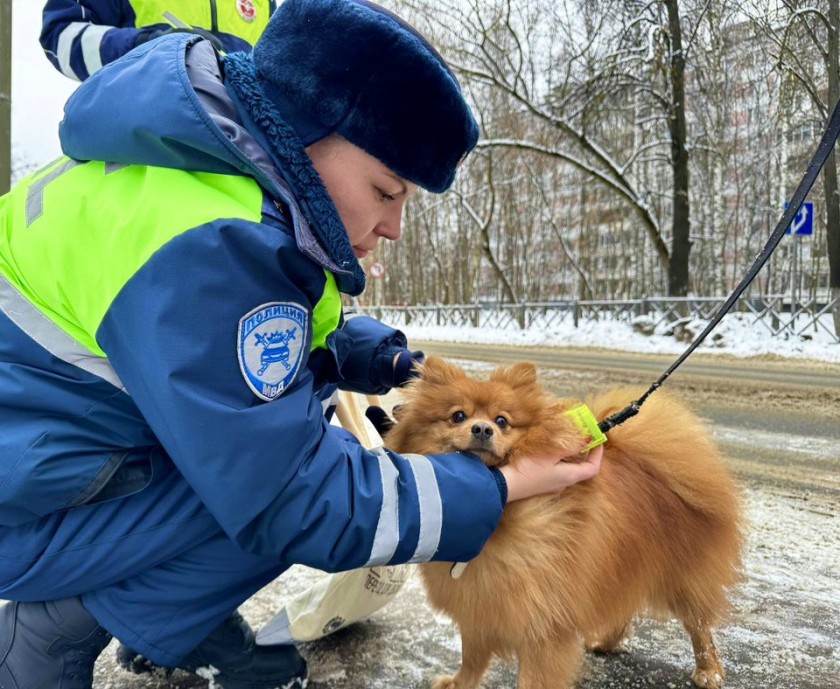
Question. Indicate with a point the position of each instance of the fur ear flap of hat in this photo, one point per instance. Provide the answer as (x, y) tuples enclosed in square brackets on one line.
[(352, 67)]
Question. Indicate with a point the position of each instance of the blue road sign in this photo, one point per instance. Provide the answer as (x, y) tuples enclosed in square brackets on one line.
[(803, 223)]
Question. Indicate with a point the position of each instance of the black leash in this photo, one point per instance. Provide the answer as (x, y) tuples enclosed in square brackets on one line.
[(832, 132)]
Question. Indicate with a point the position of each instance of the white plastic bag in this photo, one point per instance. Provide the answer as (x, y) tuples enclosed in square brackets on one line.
[(334, 603), (339, 599)]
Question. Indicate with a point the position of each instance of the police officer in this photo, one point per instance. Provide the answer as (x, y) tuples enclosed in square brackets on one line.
[(80, 36), (171, 322)]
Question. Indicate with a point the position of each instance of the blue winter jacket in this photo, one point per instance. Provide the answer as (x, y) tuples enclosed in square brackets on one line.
[(171, 375)]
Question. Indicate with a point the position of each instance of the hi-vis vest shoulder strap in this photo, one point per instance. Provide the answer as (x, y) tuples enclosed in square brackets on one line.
[(246, 19), (66, 222)]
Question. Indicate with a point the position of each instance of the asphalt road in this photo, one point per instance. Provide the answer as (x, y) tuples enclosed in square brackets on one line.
[(778, 425), (646, 368)]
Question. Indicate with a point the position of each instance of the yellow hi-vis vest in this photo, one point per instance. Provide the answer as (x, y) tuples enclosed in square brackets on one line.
[(243, 18), (75, 233)]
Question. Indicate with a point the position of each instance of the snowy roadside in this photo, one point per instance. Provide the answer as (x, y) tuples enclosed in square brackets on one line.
[(735, 336)]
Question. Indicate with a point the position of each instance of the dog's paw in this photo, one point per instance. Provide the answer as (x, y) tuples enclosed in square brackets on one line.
[(445, 682), (708, 679), (604, 647), (613, 642)]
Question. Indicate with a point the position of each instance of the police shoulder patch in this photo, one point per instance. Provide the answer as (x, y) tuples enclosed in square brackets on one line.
[(270, 341)]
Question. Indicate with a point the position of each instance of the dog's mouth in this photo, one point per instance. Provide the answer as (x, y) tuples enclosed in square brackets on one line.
[(485, 454)]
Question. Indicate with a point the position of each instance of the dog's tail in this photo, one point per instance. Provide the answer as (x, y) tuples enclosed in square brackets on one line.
[(675, 444)]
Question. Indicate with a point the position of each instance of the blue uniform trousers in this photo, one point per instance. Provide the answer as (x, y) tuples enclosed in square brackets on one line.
[(155, 569)]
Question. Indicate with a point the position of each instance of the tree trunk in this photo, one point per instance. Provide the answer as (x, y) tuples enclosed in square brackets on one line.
[(681, 242), (487, 243), (832, 198)]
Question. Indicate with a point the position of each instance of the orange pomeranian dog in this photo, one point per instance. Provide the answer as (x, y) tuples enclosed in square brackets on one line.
[(658, 530)]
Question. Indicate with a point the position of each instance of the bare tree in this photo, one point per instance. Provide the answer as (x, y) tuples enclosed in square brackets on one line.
[(681, 242), (832, 197), (628, 147), (800, 31), (573, 71)]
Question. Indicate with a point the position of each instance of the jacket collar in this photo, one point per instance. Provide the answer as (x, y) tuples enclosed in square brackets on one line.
[(287, 153)]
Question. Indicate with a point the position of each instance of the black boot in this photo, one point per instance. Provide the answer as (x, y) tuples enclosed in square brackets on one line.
[(50, 645), (232, 658)]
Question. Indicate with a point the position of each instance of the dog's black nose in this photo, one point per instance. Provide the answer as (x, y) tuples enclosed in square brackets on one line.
[(482, 431)]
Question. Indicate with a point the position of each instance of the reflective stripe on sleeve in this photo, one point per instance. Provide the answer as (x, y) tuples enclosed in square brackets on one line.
[(52, 338), (91, 41), (65, 48), (387, 536), (431, 508)]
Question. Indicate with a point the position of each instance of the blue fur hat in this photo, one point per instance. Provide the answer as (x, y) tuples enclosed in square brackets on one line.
[(352, 67)]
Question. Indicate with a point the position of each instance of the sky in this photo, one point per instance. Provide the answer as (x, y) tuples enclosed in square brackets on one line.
[(38, 90)]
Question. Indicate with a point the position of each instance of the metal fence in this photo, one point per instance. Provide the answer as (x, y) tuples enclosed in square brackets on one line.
[(777, 314)]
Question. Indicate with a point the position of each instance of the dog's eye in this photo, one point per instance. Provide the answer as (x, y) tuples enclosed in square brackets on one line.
[(459, 417), (501, 422)]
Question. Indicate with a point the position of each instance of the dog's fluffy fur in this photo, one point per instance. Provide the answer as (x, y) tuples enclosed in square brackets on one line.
[(658, 530)]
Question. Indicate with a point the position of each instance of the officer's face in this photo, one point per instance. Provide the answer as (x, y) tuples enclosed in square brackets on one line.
[(369, 197)]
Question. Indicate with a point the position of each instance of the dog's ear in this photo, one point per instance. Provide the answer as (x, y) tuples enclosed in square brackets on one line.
[(438, 370), (521, 375)]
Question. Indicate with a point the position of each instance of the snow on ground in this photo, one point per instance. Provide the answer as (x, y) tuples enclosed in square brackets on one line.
[(736, 336)]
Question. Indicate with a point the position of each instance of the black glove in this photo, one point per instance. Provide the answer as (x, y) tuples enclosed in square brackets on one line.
[(405, 367), (145, 35), (380, 419)]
